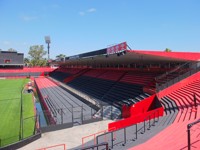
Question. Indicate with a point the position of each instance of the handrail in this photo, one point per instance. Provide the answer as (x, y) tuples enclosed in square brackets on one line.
[(49, 147), (189, 126), (195, 68), (95, 146), (148, 118), (82, 95), (171, 71), (136, 136)]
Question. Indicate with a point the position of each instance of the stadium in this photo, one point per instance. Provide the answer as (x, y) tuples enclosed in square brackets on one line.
[(113, 98)]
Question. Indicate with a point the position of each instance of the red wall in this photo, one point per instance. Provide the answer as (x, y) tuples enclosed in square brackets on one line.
[(135, 119), (137, 113), (126, 111), (138, 108), (142, 106)]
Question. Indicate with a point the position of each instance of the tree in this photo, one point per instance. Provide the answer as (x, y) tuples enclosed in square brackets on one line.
[(60, 57), (37, 53), (27, 61), (12, 50), (168, 50)]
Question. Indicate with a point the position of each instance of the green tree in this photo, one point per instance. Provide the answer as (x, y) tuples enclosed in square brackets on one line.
[(168, 50), (36, 54), (27, 61), (60, 57)]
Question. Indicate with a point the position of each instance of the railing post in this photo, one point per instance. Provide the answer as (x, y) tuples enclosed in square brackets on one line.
[(188, 135), (97, 140), (91, 113), (135, 132), (82, 114), (102, 112), (144, 128), (158, 116), (22, 136), (124, 137), (149, 123), (39, 120), (72, 115), (107, 146), (112, 139), (111, 112), (154, 118), (61, 116)]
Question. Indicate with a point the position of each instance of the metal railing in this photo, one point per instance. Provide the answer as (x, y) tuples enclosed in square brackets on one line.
[(77, 92), (189, 126), (113, 140), (103, 146), (193, 67), (148, 120), (29, 127), (172, 71)]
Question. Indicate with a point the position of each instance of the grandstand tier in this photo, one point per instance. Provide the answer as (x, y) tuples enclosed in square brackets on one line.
[(151, 96), (10, 59)]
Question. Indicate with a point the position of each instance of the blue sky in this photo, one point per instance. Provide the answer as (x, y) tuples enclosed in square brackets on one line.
[(78, 26)]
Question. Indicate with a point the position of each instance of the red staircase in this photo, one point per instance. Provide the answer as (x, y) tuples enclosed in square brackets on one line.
[(175, 136)]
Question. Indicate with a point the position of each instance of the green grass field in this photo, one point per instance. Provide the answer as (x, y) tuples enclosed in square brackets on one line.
[(10, 108)]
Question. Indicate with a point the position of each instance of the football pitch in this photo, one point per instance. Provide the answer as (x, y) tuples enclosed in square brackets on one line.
[(12, 127)]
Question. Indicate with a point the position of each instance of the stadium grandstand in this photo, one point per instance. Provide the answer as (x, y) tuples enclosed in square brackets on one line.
[(12, 65), (151, 97), (10, 59)]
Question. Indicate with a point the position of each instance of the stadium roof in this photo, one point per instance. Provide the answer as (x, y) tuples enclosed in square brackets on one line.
[(136, 56), (189, 56)]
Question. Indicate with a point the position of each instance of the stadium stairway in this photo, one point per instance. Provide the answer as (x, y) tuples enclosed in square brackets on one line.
[(170, 131), (57, 98), (169, 117), (184, 97), (175, 136), (171, 111), (109, 112)]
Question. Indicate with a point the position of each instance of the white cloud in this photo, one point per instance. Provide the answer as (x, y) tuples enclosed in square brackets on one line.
[(91, 10), (81, 13), (28, 18)]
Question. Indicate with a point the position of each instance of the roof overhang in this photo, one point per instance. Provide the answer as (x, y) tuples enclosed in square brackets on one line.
[(135, 57)]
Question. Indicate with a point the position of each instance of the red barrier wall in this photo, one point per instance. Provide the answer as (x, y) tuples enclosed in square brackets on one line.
[(138, 108), (178, 85), (135, 119), (126, 111), (137, 113), (26, 69), (142, 106)]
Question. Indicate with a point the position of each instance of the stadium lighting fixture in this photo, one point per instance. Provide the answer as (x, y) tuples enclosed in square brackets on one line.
[(48, 41)]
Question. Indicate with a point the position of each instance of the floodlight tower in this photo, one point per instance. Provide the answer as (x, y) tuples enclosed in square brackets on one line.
[(48, 41)]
